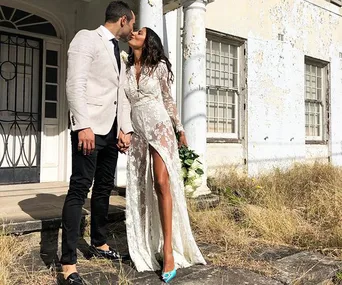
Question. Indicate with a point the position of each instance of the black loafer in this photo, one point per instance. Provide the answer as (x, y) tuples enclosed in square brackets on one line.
[(73, 279), (108, 254)]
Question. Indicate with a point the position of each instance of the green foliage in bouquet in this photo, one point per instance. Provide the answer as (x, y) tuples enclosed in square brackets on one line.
[(192, 169), (188, 157)]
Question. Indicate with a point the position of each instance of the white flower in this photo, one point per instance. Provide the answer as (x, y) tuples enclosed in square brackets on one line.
[(192, 173), (197, 182), (184, 172), (124, 56), (196, 165), (188, 189)]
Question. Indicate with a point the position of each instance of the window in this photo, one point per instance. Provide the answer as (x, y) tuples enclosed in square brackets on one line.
[(21, 20), (316, 90), (51, 84), (223, 60)]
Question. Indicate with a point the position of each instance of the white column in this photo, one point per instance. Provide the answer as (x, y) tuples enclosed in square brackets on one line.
[(194, 82), (151, 15)]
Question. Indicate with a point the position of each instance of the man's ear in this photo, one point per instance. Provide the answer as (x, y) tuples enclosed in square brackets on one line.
[(123, 21)]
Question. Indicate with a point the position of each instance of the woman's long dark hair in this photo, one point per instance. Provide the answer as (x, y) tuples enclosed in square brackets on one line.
[(152, 54)]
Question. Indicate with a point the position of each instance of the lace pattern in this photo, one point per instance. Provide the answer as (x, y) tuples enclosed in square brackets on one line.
[(154, 118)]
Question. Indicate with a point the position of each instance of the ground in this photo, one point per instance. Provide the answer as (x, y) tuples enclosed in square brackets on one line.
[(289, 265), (279, 228)]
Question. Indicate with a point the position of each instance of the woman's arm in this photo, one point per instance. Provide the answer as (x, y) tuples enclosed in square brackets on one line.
[(169, 103)]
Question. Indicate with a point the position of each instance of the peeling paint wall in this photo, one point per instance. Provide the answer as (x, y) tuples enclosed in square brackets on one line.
[(220, 155), (276, 118), (275, 99)]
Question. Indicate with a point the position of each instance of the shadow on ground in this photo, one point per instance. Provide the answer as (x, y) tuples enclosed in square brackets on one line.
[(50, 207)]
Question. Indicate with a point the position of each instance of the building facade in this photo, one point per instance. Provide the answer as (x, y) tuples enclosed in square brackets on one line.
[(275, 68), (258, 83)]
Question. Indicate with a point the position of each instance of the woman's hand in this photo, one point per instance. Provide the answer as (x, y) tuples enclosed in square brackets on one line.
[(124, 141), (182, 139)]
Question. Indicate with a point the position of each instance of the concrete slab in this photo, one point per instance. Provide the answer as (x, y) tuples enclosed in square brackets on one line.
[(306, 267)]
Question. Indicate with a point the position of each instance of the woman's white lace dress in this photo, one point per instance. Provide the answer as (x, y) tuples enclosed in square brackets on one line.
[(154, 117)]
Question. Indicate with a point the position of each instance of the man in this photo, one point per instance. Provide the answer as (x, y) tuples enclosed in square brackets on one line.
[(100, 123)]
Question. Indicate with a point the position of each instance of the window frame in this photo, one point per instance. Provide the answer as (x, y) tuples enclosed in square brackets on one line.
[(57, 67), (325, 101), (241, 45), (22, 20)]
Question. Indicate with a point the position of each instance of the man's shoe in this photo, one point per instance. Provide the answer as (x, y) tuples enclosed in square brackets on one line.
[(108, 254), (73, 279)]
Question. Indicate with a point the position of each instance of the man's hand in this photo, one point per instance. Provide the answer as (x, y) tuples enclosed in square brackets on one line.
[(182, 139), (86, 141), (124, 141)]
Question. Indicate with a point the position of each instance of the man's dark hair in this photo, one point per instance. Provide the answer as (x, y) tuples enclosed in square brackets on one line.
[(116, 10)]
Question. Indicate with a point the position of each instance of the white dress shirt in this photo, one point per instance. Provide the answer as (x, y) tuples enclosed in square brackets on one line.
[(109, 36)]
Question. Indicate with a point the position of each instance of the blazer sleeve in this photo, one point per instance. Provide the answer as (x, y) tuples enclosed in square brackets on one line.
[(81, 54), (126, 124)]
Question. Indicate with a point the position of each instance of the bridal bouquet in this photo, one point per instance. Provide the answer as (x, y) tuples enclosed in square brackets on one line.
[(192, 169)]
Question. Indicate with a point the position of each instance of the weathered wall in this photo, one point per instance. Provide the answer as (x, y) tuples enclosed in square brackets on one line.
[(275, 101), (221, 154)]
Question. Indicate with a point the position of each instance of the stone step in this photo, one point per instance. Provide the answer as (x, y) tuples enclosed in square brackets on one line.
[(307, 267), (36, 207)]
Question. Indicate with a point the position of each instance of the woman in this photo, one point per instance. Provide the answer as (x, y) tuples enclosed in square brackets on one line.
[(156, 215)]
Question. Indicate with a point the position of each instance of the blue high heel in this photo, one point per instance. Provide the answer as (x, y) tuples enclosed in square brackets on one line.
[(168, 276)]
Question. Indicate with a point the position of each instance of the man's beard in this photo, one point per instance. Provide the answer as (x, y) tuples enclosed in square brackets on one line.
[(126, 39)]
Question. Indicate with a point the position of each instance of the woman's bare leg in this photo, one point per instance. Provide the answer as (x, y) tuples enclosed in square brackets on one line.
[(162, 186)]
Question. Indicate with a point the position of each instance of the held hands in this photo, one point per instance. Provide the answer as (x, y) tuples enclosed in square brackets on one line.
[(86, 141), (124, 141), (182, 139)]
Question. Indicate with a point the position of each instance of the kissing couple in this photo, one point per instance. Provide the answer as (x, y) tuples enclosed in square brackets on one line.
[(125, 107)]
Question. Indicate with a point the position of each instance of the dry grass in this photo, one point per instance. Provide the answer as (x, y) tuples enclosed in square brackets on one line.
[(9, 250), (12, 252), (14, 258), (299, 207), (124, 276)]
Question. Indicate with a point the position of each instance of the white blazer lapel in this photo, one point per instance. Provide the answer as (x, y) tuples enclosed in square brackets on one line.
[(109, 50), (123, 69)]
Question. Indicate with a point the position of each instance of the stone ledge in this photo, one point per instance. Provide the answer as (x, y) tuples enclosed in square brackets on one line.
[(307, 268), (205, 201), (54, 223)]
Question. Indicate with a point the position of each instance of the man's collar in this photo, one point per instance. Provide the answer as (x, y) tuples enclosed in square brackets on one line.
[(107, 33)]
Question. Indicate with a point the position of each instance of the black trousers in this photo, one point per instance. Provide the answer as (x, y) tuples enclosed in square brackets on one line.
[(100, 167)]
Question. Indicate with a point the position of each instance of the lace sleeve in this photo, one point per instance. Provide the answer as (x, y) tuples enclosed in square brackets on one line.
[(169, 103)]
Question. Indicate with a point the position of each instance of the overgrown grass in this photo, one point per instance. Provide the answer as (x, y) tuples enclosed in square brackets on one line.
[(13, 250), (18, 266), (299, 207), (10, 248)]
